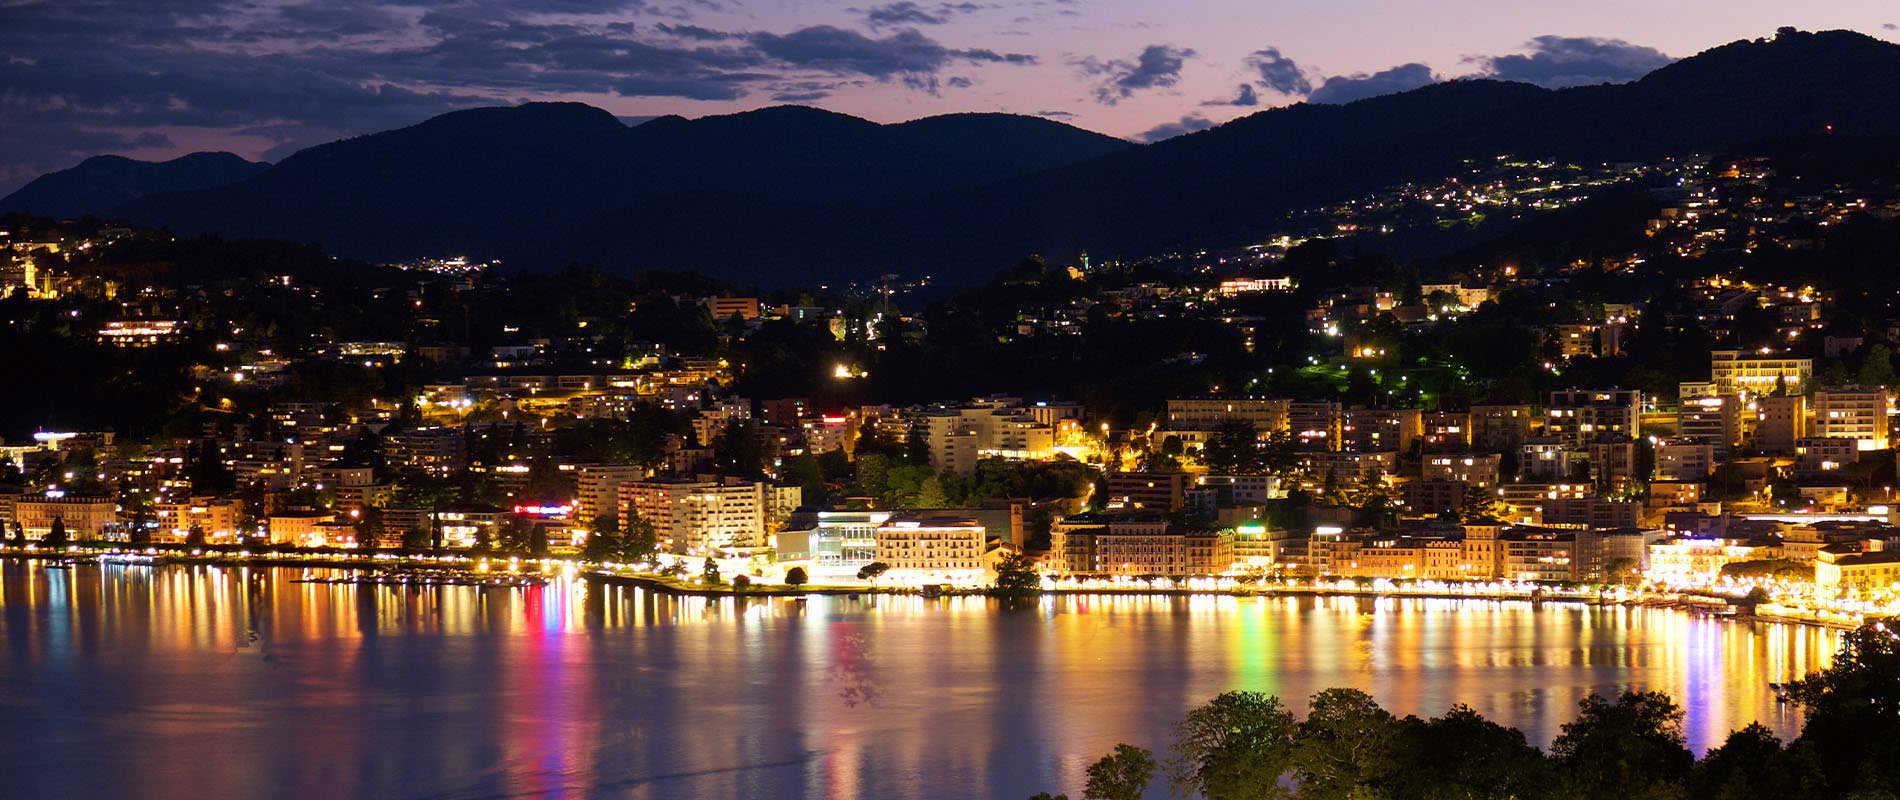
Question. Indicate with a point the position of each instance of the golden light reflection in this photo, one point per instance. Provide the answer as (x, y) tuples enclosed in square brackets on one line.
[(297, 682)]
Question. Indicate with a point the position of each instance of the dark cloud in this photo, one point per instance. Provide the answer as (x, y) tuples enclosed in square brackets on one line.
[(1347, 88), (1169, 130), (906, 12), (1555, 62), (904, 54), (696, 32), (1279, 73), (903, 13), (1056, 114), (1157, 67), (80, 77), (1890, 26), (1244, 96)]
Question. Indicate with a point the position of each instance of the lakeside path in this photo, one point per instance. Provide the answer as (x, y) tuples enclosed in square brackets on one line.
[(455, 568)]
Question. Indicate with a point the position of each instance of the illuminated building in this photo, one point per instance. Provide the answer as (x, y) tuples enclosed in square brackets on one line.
[(1266, 415), (1376, 430), (1612, 460), (301, 528), (1868, 571), (1544, 458), (1695, 559), (1820, 456), (1150, 491), (437, 451), (1238, 286), (993, 428), (701, 517), (464, 525), (1314, 424), (1231, 489), (140, 332), (1732, 372), (1472, 469), (1684, 461), (830, 432), (1434, 495), (1526, 500), (1578, 416), (1783, 422), (1447, 431), (598, 489), (1715, 421), (1496, 427), (932, 545), (1536, 555), (725, 308), (83, 516), (216, 517), (1854, 412), (1589, 512), (834, 542), (1348, 468)]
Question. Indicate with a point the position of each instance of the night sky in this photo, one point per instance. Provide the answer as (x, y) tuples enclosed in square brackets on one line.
[(263, 78)]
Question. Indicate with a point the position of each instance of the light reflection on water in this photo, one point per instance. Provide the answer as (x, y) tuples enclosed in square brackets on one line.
[(213, 682)]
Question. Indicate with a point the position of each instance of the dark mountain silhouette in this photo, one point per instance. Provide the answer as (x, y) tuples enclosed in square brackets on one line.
[(1229, 184), (548, 182), (103, 182), (790, 195)]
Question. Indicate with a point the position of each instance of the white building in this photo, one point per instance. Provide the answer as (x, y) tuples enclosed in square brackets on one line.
[(699, 517), (933, 548)]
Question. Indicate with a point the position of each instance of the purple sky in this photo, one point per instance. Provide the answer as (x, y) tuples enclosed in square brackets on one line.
[(157, 78)]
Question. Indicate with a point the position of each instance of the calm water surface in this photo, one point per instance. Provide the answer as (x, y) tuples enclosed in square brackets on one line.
[(219, 682)]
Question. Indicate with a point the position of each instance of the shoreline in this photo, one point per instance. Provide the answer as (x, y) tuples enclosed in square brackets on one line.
[(663, 585)]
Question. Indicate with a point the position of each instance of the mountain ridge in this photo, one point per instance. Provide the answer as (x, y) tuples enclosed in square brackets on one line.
[(103, 182), (791, 194)]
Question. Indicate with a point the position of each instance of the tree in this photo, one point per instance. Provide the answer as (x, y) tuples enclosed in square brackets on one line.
[(1876, 367), (1750, 765), (872, 571), (674, 570), (604, 542), (1630, 747), (741, 583), (141, 533), (1048, 796), (640, 541), (1463, 756), (1237, 746), (56, 537), (1120, 775), (1853, 727), (795, 576), (709, 572), (195, 537), (1624, 570), (415, 540), (1016, 576), (1348, 747), (1482, 505), (737, 451), (19, 535), (931, 494), (1233, 449)]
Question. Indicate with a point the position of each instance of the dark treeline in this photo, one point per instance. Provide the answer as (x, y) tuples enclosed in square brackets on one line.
[(1631, 747)]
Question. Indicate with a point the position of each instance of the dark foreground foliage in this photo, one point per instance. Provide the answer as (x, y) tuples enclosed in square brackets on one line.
[(1629, 747)]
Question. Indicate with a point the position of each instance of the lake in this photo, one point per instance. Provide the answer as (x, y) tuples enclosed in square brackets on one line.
[(201, 681)]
